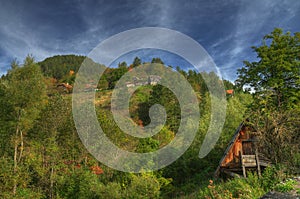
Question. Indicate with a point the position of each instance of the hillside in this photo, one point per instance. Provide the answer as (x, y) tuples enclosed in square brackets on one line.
[(43, 156), (60, 65)]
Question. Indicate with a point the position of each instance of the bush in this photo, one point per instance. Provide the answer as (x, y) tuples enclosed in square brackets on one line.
[(271, 176), (285, 186), (79, 184), (143, 186), (236, 188), (251, 187)]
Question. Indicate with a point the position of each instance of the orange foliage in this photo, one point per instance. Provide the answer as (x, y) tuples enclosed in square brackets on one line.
[(71, 72), (96, 170), (230, 92)]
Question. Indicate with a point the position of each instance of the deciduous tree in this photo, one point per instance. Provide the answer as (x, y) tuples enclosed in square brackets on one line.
[(277, 70), (25, 92)]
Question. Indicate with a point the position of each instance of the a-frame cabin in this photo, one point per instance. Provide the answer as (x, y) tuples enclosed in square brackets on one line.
[(242, 154)]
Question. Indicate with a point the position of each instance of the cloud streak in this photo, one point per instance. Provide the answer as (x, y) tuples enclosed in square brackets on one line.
[(253, 20), (226, 29)]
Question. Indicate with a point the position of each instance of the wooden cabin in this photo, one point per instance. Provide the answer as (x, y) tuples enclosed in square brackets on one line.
[(230, 92), (66, 87), (242, 154)]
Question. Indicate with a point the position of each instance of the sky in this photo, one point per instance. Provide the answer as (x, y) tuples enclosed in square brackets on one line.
[(226, 29)]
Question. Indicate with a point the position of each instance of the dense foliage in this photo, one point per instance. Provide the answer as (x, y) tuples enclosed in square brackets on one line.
[(275, 110), (277, 71), (41, 155), (60, 65)]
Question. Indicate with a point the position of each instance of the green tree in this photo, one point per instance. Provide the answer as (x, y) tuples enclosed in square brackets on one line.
[(122, 64), (60, 65), (112, 75), (44, 143), (136, 62), (25, 92), (165, 97), (157, 60), (278, 69), (275, 110)]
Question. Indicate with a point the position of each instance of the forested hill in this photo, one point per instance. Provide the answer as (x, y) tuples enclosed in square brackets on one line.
[(63, 69), (60, 65)]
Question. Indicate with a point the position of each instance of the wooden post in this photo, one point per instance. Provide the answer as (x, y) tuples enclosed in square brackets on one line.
[(257, 162), (243, 164), (244, 171)]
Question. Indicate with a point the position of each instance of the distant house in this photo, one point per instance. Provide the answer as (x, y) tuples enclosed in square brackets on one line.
[(151, 80), (141, 83), (90, 87), (230, 92), (154, 79), (129, 84), (242, 154), (66, 87)]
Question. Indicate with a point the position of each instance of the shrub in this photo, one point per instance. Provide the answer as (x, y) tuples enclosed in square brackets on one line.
[(285, 186), (270, 177), (236, 188), (143, 186)]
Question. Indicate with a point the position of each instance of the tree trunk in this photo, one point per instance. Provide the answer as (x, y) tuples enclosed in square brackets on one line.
[(15, 162), (15, 171), (22, 145), (51, 181)]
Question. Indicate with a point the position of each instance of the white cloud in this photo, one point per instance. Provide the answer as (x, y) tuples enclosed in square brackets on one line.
[(202, 20)]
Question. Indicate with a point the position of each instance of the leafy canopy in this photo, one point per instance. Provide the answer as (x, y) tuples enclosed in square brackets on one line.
[(277, 72)]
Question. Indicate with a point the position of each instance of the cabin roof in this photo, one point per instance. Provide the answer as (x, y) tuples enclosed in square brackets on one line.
[(238, 154), (229, 147), (230, 92)]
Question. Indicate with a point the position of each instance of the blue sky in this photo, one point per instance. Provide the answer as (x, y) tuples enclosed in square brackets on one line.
[(225, 28)]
